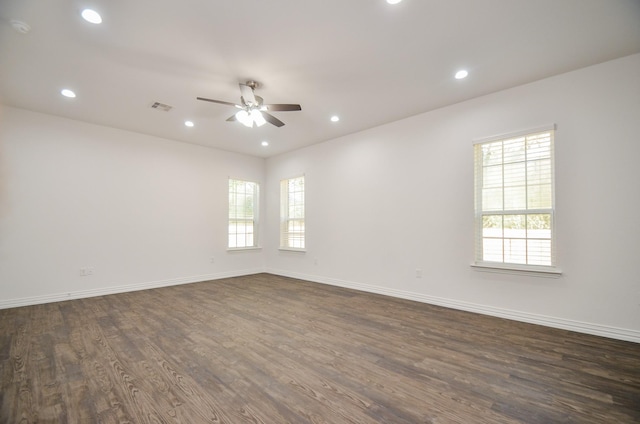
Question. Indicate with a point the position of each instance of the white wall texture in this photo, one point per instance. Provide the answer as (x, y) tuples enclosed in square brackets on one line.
[(139, 210), (145, 212), (396, 198)]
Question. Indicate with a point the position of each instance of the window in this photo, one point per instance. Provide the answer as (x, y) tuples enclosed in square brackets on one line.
[(243, 214), (514, 201), (292, 213)]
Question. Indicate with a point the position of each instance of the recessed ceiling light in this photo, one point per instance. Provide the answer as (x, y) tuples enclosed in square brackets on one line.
[(92, 16), (393, 1), (335, 118), (265, 143), (68, 93), (188, 123), (461, 74)]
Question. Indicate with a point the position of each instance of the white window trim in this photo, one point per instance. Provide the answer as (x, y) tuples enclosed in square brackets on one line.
[(242, 249), (532, 270), (542, 128), (256, 219), (293, 249), (511, 268), (283, 218)]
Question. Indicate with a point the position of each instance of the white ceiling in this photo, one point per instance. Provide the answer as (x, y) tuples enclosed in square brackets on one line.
[(365, 60)]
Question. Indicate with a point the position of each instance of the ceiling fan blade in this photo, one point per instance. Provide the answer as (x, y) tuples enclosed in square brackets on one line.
[(272, 119), (247, 94), (282, 108), (232, 118), (217, 101)]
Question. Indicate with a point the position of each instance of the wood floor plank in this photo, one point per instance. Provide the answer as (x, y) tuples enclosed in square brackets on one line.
[(268, 349)]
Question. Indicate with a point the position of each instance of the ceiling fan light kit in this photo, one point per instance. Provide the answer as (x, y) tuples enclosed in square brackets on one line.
[(252, 110), (257, 117), (248, 119), (243, 117)]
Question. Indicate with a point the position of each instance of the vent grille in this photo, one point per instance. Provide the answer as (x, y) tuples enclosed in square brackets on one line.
[(161, 106)]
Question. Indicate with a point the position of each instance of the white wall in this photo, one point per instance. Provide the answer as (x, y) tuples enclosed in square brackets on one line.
[(141, 211), (144, 211), (387, 201)]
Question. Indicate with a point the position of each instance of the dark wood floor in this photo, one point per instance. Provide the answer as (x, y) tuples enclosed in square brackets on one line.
[(268, 349)]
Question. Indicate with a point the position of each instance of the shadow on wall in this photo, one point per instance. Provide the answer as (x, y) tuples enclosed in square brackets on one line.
[(4, 187)]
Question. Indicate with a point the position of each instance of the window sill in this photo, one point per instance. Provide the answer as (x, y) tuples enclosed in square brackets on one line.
[(243, 249), (532, 270), (292, 249)]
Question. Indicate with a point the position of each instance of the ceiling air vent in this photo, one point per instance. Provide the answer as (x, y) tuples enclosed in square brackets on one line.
[(161, 106)]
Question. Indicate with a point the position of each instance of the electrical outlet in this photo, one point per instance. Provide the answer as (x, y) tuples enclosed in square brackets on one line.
[(86, 271), (213, 260), (418, 273)]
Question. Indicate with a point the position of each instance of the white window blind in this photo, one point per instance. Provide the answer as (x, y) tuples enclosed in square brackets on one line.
[(292, 227), (243, 214), (514, 200)]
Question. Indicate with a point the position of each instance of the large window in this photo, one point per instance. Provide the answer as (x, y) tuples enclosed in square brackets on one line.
[(514, 200), (243, 214), (292, 213)]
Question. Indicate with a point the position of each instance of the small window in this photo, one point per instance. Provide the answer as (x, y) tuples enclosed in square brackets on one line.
[(514, 201), (292, 214), (243, 214)]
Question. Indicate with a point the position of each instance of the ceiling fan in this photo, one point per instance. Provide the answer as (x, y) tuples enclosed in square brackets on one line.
[(252, 109)]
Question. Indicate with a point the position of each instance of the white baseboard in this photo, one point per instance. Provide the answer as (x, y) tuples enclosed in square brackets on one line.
[(561, 323), (565, 324), (114, 289)]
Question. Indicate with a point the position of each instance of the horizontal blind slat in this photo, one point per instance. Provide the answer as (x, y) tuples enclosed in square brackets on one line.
[(514, 198)]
